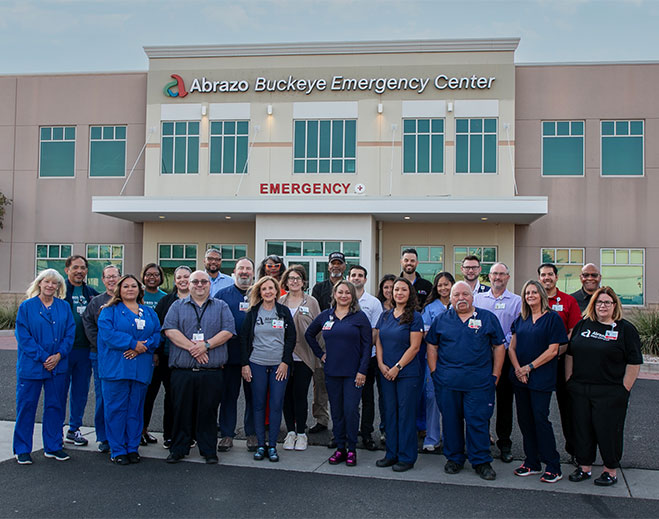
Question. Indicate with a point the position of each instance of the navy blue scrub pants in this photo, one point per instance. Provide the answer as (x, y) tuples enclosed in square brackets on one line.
[(473, 408), (124, 414), (264, 379), (54, 410), (99, 411), (344, 398), (400, 398), (80, 372), (537, 431), (229, 404)]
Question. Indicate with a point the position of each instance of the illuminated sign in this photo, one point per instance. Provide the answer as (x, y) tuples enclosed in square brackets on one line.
[(307, 86), (307, 188)]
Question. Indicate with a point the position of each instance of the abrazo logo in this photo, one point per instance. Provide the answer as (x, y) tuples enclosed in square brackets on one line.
[(180, 90)]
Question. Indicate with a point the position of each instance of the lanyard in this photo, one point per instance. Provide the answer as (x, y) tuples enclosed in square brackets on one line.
[(203, 311)]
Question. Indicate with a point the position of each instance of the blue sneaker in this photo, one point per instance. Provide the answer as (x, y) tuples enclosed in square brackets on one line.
[(104, 447), (76, 438), (24, 459), (259, 454), (59, 455), (272, 454)]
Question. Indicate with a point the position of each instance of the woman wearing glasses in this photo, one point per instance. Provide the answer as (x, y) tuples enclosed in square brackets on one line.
[(603, 361), (304, 309)]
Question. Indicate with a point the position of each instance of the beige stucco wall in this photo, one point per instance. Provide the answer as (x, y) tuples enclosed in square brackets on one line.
[(58, 210), (590, 211)]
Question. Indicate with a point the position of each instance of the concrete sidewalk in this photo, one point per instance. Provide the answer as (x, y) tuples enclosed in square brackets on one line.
[(632, 483)]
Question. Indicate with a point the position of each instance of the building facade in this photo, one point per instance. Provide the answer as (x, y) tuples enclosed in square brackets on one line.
[(303, 149)]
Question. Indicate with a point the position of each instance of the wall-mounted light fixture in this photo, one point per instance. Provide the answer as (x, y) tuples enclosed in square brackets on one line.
[(449, 107), (204, 109), (269, 109), (380, 108)]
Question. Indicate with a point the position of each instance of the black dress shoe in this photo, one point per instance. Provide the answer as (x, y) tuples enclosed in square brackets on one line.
[(150, 438), (579, 475), (606, 480), (385, 462), (402, 466), (485, 471), (211, 460), (319, 427), (452, 467), (331, 444), (174, 458), (120, 460), (506, 456), (369, 444), (133, 457)]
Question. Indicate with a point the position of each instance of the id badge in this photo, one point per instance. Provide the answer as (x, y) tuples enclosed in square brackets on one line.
[(426, 328), (277, 324), (474, 324), (328, 325), (304, 310), (499, 306), (610, 335), (140, 323), (198, 336), (557, 308), (81, 309), (243, 306)]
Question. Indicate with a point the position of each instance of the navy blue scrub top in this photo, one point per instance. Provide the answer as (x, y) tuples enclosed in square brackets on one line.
[(464, 354), (395, 339), (533, 339)]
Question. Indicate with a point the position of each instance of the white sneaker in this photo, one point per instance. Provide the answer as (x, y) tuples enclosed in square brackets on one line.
[(301, 442), (289, 441)]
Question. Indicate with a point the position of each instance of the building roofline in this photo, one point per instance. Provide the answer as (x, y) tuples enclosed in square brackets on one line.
[(83, 73), (349, 47), (585, 63)]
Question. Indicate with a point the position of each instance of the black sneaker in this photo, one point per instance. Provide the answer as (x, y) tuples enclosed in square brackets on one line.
[(211, 460), (58, 455), (133, 457), (76, 438), (485, 471), (369, 443), (23, 459), (120, 460), (452, 467), (506, 456), (606, 480), (579, 475), (174, 458)]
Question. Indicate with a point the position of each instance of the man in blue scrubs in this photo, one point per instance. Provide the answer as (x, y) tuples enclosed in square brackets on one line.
[(465, 356)]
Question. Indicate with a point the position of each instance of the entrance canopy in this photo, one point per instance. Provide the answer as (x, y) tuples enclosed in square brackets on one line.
[(516, 210)]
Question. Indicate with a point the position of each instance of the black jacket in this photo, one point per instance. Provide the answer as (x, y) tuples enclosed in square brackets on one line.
[(247, 333)]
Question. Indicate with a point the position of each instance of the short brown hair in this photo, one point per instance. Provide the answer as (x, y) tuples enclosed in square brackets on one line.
[(589, 312), (294, 268)]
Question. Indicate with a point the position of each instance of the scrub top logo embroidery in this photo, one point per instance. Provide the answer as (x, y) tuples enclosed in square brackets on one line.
[(180, 87)]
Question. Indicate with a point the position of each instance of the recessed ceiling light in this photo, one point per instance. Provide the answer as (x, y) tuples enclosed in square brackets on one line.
[(484, 218), (227, 217), (162, 217), (406, 217)]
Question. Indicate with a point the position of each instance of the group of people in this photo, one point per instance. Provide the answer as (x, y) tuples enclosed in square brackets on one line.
[(442, 355)]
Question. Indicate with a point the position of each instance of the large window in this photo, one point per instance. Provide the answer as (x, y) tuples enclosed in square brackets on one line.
[(569, 263), (563, 148), (475, 145), (57, 149), (107, 151), (325, 146), (99, 256), (52, 256), (622, 270), (622, 148), (230, 253), (228, 143), (423, 146), (172, 255), (180, 147), (431, 260), (486, 255)]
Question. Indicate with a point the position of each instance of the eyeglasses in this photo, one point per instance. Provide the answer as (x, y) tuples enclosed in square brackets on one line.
[(152, 275), (589, 275), (471, 268), (294, 279), (214, 260), (605, 304), (110, 277), (498, 274), (202, 282), (272, 265)]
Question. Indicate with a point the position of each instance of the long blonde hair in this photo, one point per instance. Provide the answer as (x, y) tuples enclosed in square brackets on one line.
[(255, 292), (544, 300), (35, 290), (590, 312)]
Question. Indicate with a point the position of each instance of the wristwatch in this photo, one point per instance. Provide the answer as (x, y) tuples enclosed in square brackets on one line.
[(399, 366), (207, 344), (531, 368)]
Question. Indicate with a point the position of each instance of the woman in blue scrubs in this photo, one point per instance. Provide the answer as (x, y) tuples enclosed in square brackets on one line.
[(537, 334), (44, 332), (128, 334), (398, 340), (348, 337), (437, 303)]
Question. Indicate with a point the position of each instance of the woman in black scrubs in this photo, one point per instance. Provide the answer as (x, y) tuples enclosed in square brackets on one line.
[(603, 361)]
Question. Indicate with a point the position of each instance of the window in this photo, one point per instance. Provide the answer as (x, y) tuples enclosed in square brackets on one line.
[(325, 146), (475, 145), (180, 147), (230, 253), (569, 263), (622, 147), (431, 260), (228, 143), (623, 271), (486, 255), (171, 256), (423, 146), (99, 257), (107, 151), (57, 149), (52, 256), (563, 148)]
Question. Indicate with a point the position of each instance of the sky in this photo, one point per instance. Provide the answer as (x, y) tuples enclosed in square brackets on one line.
[(100, 35)]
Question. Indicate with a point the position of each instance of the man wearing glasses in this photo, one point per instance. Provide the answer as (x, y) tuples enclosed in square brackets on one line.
[(590, 281), (471, 270), (212, 264), (199, 327)]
